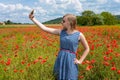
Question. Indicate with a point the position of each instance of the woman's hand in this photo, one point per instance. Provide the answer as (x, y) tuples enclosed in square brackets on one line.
[(31, 15), (76, 61)]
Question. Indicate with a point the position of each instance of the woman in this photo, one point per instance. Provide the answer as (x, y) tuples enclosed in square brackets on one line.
[(66, 64)]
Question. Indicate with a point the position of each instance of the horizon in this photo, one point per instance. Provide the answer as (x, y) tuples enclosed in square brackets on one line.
[(45, 10)]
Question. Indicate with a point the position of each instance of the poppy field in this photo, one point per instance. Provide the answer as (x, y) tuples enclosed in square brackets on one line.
[(28, 53)]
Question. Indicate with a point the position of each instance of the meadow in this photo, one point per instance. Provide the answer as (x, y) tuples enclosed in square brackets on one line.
[(28, 53)]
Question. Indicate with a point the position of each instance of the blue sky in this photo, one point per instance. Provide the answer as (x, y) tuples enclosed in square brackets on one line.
[(18, 10)]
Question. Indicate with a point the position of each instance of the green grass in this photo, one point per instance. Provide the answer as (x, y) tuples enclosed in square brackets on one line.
[(33, 53)]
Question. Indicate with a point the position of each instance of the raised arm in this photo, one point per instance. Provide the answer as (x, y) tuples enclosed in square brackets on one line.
[(43, 27)]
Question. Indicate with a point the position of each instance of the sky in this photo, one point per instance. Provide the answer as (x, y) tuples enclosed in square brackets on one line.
[(18, 10)]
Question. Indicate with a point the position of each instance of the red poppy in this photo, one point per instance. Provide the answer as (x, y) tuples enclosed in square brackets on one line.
[(28, 64), (0, 55), (8, 62), (81, 77), (35, 61), (21, 71), (118, 71), (92, 61), (23, 62), (43, 61), (106, 58), (40, 57), (106, 63), (89, 67), (113, 68), (17, 47), (108, 45), (92, 47), (5, 69), (15, 70)]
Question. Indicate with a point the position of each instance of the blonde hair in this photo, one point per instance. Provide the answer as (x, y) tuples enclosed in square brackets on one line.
[(72, 19)]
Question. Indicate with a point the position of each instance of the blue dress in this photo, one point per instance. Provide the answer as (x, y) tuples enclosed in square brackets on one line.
[(64, 68)]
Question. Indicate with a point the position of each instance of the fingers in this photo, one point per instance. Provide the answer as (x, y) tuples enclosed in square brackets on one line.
[(76, 61), (31, 16), (32, 12)]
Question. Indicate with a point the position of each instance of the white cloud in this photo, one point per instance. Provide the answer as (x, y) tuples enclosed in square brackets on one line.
[(82, 0), (48, 2), (15, 12), (2, 5), (78, 5), (64, 6), (13, 7), (40, 11), (19, 6), (117, 1), (50, 9), (102, 1)]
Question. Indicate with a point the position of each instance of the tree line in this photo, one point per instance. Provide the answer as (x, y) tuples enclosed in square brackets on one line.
[(90, 18), (87, 17)]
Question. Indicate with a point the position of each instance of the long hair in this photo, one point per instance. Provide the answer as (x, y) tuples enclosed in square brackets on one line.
[(72, 20)]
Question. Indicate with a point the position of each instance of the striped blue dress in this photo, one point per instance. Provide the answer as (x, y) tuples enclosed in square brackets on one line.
[(64, 67)]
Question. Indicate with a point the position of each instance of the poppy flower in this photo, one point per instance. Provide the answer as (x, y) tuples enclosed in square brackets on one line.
[(118, 71), (89, 67), (113, 68)]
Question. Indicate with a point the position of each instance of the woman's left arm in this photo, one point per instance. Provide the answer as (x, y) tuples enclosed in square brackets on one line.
[(86, 49)]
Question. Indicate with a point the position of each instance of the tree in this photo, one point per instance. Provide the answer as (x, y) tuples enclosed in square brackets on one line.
[(8, 22), (86, 18), (88, 13), (90, 18), (98, 20), (109, 19)]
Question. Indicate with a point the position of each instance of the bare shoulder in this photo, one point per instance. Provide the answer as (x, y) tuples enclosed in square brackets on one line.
[(81, 36)]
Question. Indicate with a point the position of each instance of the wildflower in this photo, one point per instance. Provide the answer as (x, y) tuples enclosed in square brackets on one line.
[(106, 63), (17, 47), (118, 71), (5, 69), (81, 77), (113, 63), (89, 67), (0, 55), (8, 62), (35, 61), (15, 70), (40, 57), (108, 45), (113, 68), (23, 62), (43, 61), (92, 61), (92, 47), (107, 52), (21, 71), (117, 54), (28, 64), (106, 58)]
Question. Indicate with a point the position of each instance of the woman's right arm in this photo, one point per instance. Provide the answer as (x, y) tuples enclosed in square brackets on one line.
[(43, 27)]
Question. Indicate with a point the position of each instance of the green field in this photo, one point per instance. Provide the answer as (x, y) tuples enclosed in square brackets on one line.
[(28, 53)]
